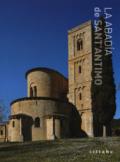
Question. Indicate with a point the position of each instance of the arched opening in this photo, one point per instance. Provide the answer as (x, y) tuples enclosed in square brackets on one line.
[(35, 91), (1, 132), (80, 96), (31, 92), (79, 44), (37, 122), (13, 124), (79, 69)]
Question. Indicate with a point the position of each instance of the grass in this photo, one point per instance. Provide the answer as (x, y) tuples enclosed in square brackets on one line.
[(67, 150)]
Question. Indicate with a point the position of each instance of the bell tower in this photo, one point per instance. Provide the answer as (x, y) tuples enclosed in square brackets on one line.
[(80, 73)]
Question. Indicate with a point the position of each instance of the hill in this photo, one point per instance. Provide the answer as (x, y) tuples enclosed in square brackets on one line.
[(67, 150)]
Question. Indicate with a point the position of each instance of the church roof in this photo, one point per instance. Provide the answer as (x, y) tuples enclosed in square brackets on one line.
[(49, 70)]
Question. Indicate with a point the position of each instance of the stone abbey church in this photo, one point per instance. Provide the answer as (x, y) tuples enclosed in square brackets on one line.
[(57, 107)]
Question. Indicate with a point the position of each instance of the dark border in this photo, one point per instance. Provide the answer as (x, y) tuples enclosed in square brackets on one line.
[(49, 70), (38, 98)]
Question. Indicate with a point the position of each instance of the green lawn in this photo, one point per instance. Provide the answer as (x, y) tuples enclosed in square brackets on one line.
[(67, 150)]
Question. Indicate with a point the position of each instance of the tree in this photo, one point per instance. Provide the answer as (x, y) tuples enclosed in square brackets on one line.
[(104, 105), (3, 111)]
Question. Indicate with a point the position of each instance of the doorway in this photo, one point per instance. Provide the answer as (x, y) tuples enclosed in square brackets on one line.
[(27, 128)]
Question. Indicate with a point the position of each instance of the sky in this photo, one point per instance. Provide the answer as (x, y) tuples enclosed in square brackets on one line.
[(33, 33)]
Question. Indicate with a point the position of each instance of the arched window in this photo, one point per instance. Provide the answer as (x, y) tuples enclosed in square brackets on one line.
[(80, 96), (13, 124), (1, 132), (79, 68), (35, 91), (31, 92), (37, 122), (79, 44)]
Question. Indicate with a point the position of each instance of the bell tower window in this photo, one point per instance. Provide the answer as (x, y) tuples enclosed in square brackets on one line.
[(79, 44), (13, 124), (80, 96), (79, 69)]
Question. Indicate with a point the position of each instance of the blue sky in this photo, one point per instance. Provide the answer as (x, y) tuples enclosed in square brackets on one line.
[(34, 33)]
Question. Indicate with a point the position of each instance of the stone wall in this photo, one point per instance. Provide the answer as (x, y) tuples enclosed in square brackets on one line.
[(41, 108), (14, 130), (3, 132), (48, 83)]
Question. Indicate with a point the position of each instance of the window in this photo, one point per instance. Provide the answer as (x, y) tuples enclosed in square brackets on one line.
[(79, 69), (35, 91), (1, 132), (79, 44), (31, 92), (13, 123), (37, 122), (80, 96)]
